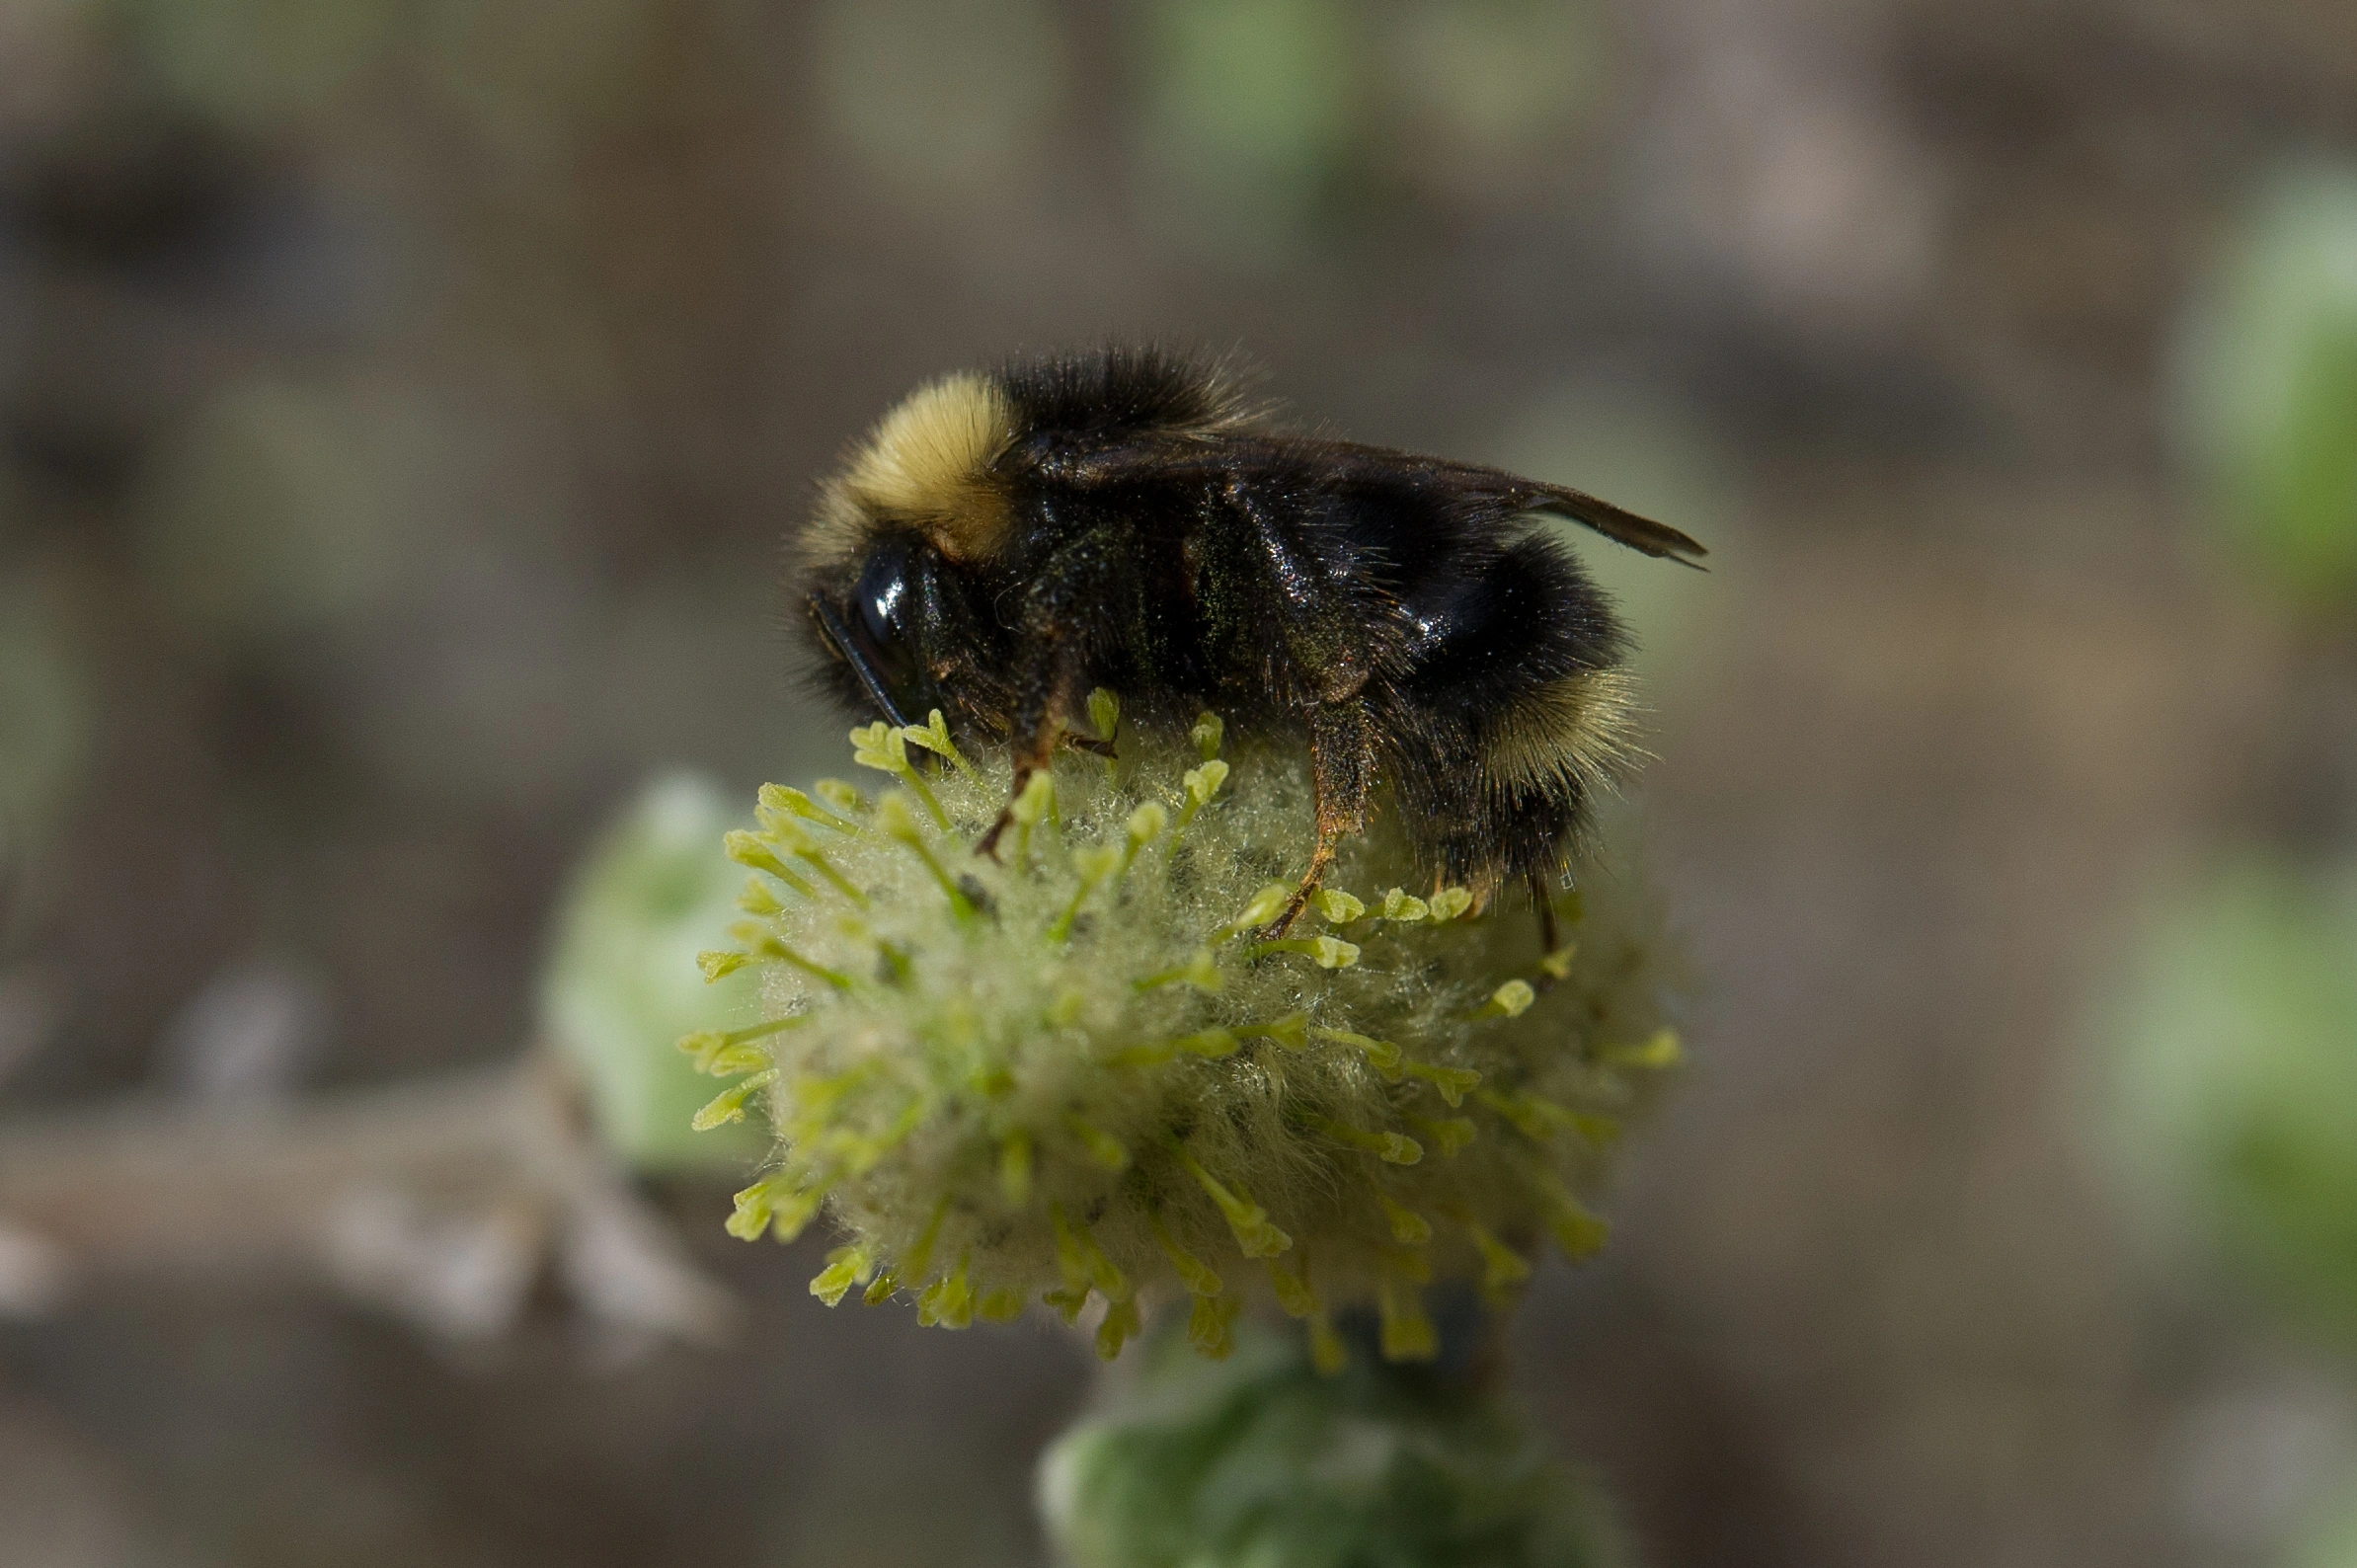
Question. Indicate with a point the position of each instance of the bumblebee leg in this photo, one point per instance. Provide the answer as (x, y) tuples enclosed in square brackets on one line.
[(1341, 769), (1032, 758), (1078, 586), (1550, 937)]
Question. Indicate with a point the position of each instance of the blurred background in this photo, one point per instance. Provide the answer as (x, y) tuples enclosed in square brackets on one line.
[(402, 404)]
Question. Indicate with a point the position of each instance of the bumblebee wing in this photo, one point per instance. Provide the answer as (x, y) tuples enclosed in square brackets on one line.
[(1657, 539), (1297, 458), (1379, 465)]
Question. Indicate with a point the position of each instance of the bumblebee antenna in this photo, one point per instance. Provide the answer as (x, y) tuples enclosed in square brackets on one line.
[(838, 642)]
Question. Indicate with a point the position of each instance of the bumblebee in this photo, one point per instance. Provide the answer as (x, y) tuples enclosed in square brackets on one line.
[(1002, 543)]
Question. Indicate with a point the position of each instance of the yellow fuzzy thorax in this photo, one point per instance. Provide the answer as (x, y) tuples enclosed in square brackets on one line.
[(926, 465), (1084, 1074)]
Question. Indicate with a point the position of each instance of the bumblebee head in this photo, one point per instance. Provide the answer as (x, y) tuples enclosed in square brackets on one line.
[(916, 500)]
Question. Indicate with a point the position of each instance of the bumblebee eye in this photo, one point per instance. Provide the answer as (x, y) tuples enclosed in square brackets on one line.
[(872, 633), (879, 610)]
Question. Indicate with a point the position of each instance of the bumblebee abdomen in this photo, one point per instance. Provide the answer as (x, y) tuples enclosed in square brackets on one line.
[(1513, 710)]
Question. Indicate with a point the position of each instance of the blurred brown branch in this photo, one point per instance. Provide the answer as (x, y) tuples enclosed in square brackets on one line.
[(446, 1201)]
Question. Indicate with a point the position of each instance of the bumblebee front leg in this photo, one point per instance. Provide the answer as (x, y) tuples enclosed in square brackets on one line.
[(1084, 577), (1341, 774)]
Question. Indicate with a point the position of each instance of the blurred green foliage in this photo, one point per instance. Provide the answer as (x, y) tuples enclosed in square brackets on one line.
[(2233, 1082), (622, 986), (2268, 387), (1261, 121), (1249, 106), (1258, 1461), (2330, 1541)]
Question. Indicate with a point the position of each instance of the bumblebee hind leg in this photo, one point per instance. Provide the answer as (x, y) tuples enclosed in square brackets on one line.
[(1341, 768)]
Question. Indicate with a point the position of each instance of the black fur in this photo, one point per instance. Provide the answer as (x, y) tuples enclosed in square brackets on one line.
[(1397, 611)]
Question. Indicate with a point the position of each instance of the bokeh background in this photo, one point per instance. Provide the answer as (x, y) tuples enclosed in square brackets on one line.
[(402, 404)]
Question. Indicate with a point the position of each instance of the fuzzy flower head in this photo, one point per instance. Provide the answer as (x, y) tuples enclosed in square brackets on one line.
[(1084, 1073)]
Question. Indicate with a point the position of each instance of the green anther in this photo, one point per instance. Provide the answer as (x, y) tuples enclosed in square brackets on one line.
[(1014, 1168), (756, 1204), (1264, 906), (1292, 1032), (1104, 716), (1120, 1326), (1327, 952), (1066, 1010), (1255, 1236), (1580, 1233), (1067, 1300), (796, 1212), (1407, 1334), (1201, 971), (893, 816), (1558, 965), (1210, 1323), (1001, 1306), (746, 850), (947, 1301), (729, 1104), (1447, 903), (1199, 1277), (1102, 1148), (881, 746), (844, 800), (1448, 1134), (1660, 1051), (1336, 906), (845, 1267), (1399, 905), (1502, 1268), (1385, 1057), (1294, 1293), (934, 735), (1454, 1084), (1408, 1228), (1327, 1352), (1535, 1119), (776, 802), (1030, 806), (1145, 822), (880, 1289), (1211, 1044), (767, 949), (796, 840), (1206, 733), (1393, 1148), (781, 1203), (1510, 1000), (718, 1052), (920, 1256), (758, 901), (1081, 1261), (1094, 866), (1202, 783)]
